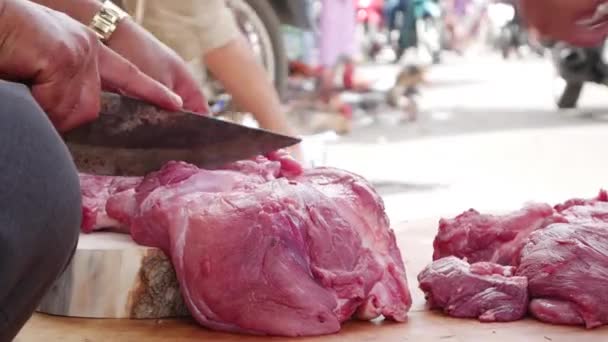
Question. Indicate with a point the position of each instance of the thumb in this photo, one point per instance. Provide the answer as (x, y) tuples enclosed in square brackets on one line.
[(191, 93), (119, 74)]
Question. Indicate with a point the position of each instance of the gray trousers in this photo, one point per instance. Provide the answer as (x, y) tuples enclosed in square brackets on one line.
[(40, 207)]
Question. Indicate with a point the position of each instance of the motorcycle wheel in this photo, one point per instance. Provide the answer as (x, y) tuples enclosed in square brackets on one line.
[(567, 94), (261, 26)]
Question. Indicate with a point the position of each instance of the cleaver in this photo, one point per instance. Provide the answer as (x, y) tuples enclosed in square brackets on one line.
[(132, 138)]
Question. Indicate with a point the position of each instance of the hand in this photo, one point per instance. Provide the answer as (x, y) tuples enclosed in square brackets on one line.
[(560, 19), (66, 65), (159, 62)]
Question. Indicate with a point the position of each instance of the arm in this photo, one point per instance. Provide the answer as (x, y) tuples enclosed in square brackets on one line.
[(207, 30), (235, 66), (246, 80)]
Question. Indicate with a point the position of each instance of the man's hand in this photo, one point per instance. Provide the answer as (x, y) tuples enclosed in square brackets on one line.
[(562, 20), (142, 49), (159, 62), (66, 65)]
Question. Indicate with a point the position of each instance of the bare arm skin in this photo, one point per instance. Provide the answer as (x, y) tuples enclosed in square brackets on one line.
[(235, 66)]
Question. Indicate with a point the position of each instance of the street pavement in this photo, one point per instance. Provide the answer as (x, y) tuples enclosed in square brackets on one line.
[(489, 138)]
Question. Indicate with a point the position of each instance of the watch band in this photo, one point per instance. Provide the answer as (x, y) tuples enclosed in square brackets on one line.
[(105, 21)]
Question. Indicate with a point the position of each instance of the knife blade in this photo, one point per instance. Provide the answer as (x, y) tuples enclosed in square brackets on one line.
[(131, 137)]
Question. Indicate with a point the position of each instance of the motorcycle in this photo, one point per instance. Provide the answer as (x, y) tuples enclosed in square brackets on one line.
[(370, 16), (576, 66)]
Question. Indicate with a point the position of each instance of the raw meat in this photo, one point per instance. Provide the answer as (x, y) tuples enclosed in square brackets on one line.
[(498, 239), (260, 247), (487, 291), (96, 191), (108, 202), (563, 254), (585, 211), (601, 197), (567, 270), (555, 312)]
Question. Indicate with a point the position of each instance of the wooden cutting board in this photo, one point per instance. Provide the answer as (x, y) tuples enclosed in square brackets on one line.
[(415, 240), (112, 277)]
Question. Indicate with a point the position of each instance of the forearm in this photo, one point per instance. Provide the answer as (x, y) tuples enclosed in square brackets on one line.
[(235, 66)]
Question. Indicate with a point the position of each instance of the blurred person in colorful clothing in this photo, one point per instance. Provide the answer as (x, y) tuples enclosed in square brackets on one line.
[(456, 11), (337, 43), (408, 34)]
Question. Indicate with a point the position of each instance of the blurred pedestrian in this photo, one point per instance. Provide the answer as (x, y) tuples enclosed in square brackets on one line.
[(455, 16), (408, 31), (391, 9), (337, 42)]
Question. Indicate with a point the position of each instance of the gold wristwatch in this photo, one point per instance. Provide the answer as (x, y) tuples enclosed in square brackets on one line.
[(105, 21)]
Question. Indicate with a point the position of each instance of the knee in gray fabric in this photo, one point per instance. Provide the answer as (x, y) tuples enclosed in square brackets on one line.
[(62, 232), (40, 206), (45, 203)]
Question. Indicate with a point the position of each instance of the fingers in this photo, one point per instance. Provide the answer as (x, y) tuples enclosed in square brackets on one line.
[(70, 99), (191, 93), (70, 110), (89, 99), (195, 102), (118, 73)]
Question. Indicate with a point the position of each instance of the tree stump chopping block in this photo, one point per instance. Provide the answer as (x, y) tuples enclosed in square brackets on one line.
[(110, 276)]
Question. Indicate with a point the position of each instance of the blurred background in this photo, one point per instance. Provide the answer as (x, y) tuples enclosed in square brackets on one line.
[(442, 104)]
